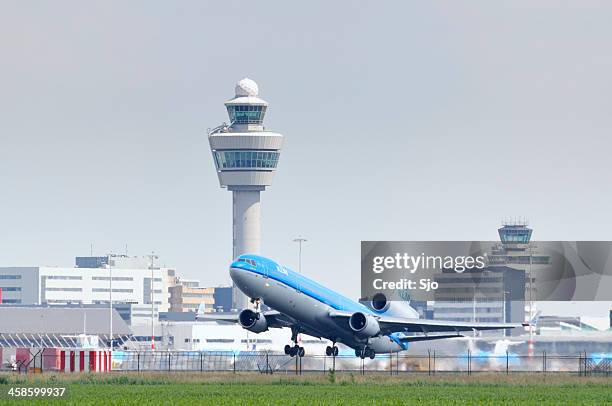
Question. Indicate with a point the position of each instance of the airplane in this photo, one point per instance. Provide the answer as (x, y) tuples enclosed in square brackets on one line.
[(305, 306)]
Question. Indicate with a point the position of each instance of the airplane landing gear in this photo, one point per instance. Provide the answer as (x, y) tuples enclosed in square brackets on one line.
[(295, 350), (365, 353), (331, 351), (256, 302)]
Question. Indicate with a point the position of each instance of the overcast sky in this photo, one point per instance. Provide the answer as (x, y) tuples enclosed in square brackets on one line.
[(402, 121)]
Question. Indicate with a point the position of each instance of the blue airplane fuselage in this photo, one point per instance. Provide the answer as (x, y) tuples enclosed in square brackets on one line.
[(307, 302)]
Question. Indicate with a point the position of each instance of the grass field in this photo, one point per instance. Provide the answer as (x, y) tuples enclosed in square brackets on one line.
[(219, 389)]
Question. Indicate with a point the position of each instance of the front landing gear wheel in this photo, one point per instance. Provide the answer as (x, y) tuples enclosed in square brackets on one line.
[(371, 353), (287, 349), (335, 351), (301, 351)]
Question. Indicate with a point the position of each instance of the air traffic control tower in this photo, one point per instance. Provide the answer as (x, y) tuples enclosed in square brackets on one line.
[(246, 156)]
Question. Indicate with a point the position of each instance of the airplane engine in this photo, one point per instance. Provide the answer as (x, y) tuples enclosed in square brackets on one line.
[(380, 304), (364, 325), (253, 321)]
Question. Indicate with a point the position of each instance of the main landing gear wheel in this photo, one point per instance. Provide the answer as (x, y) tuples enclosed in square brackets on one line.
[(365, 353), (295, 350), (331, 351)]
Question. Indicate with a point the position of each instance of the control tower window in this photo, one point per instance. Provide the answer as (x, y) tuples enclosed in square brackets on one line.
[(521, 236), (246, 114), (246, 159)]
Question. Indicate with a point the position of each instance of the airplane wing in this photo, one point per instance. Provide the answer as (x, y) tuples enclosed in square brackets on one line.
[(394, 325), (275, 319), (410, 339)]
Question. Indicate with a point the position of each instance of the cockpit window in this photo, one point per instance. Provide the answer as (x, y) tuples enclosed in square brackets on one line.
[(248, 261)]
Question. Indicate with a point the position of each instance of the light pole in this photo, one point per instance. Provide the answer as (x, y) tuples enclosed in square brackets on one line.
[(530, 290), (300, 240), (152, 257), (474, 309), (110, 298)]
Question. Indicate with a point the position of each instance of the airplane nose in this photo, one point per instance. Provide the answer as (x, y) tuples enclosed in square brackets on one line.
[(240, 277)]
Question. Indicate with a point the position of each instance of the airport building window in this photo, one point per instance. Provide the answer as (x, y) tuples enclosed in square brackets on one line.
[(199, 295), (191, 305), (115, 278), (480, 290), (11, 301), (10, 276), (468, 279), (10, 288), (64, 277), (114, 290), (487, 319), (246, 159), (446, 310), (64, 289), (442, 299)]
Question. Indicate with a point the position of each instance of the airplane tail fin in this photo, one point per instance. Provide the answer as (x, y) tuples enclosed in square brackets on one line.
[(201, 309), (534, 321)]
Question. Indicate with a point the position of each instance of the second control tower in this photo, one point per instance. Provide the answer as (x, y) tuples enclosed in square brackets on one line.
[(246, 156)]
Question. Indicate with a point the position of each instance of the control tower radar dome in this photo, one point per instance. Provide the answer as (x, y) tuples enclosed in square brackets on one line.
[(247, 87)]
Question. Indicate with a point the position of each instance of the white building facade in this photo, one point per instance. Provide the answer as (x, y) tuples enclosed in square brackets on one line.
[(75, 285)]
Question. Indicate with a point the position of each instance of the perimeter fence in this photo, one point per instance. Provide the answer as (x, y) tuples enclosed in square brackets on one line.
[(582, 364)]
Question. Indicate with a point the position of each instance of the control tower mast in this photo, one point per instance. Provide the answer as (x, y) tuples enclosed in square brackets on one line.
[(245, 156)]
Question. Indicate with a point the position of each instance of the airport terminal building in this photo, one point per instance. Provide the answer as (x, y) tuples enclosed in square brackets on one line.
[(89, 282)]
